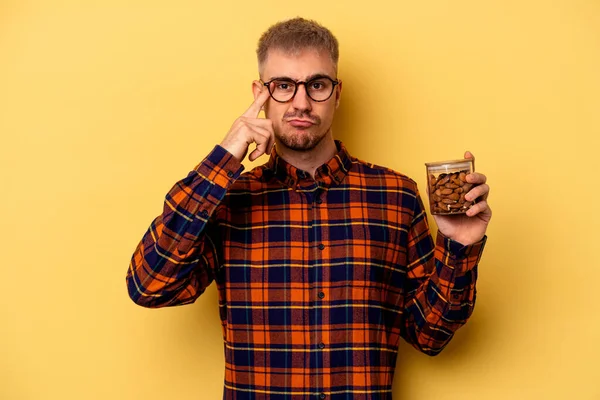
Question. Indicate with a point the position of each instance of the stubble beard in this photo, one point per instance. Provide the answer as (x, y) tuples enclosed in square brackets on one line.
[(302, 140)]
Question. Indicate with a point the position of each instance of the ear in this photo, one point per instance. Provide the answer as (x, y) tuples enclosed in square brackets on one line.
[(338, 94), (257, 88)]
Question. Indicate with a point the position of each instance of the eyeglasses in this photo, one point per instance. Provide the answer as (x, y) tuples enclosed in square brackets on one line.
[(318, 89)]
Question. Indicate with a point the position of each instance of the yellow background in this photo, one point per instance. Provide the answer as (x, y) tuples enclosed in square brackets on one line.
[(105, 104)]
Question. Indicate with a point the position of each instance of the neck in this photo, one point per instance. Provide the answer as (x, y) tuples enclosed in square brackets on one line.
[(309, 160)]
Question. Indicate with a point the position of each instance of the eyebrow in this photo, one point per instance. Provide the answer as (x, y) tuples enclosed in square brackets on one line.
[(311, 77)]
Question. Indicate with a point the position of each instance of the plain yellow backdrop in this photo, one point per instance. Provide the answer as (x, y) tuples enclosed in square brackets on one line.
[(104, 105)]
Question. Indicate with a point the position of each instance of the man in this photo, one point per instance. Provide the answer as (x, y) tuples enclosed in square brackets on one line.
[(322, 261)]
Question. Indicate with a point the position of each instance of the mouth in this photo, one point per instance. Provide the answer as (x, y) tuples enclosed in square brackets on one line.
[(300, 123)]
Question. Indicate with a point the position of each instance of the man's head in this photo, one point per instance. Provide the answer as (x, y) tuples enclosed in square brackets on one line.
[(299, 50)]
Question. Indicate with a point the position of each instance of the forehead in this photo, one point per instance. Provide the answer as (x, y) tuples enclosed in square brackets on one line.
[(297, 65)]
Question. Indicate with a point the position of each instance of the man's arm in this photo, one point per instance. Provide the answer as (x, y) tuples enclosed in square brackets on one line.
[(440, 285), (177, 258)]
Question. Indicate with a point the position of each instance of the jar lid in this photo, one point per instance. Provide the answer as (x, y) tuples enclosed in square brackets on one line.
[(462, 160), (450, 165)]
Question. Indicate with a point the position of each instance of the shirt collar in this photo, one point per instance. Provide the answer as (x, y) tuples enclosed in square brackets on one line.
[(331, 173)]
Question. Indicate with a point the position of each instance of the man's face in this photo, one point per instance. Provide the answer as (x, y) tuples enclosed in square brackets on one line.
[(300, 123)]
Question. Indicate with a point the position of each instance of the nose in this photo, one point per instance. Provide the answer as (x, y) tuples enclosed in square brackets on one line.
[(301, 101)]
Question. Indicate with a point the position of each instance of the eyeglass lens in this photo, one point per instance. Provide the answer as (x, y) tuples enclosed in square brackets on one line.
[(319, 89)]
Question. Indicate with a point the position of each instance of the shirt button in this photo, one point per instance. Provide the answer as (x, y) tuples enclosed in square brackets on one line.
[(321, 345), (230, 174), (321, 246), (319, 201), (322, 396), (321, 295), (204, 214)]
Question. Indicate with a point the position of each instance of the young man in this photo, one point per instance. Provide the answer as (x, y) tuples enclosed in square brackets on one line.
[(322, 261)]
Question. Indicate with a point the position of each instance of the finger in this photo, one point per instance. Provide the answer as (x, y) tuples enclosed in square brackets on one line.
[(476, 178), (261, 122), (256, 154), (479, 208), (477, 192), (265, 127), (254, 109), (267, 124), (468, 154), (262, 140)]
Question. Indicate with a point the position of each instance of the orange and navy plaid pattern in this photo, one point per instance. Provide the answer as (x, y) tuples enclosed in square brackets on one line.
[(318, 279)]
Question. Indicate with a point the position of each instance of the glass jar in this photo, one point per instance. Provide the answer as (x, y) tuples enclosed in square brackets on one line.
[(447, 186)]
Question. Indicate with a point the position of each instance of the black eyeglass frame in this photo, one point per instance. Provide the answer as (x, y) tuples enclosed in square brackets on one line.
[(297, 84)]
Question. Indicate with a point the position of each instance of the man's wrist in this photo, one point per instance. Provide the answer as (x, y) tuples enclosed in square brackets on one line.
[(457, 248), (467, 240), (220, 167)]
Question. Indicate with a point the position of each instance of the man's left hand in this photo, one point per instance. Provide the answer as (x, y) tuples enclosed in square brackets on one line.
[(469, 228)]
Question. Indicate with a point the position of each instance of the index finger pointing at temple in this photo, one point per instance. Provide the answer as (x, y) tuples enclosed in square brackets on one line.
[(255, 107)]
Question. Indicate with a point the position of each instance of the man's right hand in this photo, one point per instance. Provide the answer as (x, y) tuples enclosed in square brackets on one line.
[(249, 129)]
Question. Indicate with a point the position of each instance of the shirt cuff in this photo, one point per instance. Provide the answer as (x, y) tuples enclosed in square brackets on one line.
[(220, 167), (457, 250)]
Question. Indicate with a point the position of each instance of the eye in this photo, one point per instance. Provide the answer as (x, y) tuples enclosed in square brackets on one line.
[(317, 85), (283, 86)]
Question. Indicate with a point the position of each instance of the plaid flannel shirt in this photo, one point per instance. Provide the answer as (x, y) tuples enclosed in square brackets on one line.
[(318, 279)]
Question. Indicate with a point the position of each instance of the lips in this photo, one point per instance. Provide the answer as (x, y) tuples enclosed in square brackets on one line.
[(300, 123)]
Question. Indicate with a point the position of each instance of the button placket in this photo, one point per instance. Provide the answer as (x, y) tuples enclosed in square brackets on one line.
[(317, 248)]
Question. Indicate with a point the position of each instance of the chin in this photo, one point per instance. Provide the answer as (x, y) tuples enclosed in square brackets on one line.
[(300, 140)]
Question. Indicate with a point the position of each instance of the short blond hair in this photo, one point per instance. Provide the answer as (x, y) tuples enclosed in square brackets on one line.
[(295, 35)]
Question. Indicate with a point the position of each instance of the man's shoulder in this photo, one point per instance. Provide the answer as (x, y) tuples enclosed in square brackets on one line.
[(371, 170)]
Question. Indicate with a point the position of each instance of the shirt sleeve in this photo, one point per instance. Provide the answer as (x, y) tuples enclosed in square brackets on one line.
[(177, 257), (440, 285)]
